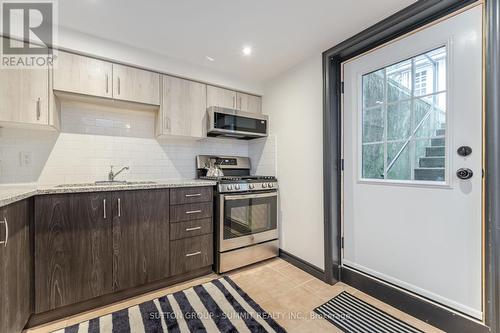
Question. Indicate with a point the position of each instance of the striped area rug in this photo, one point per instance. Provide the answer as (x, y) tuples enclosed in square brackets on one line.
[(352, 315), (217, 306)]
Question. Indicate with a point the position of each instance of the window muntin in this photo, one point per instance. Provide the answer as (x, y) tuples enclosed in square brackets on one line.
[(404, 120)]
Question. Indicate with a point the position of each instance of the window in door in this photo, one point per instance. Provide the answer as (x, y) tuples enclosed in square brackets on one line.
[(404, 120)]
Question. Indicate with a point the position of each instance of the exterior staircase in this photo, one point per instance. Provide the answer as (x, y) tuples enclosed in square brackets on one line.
[(431, 166)]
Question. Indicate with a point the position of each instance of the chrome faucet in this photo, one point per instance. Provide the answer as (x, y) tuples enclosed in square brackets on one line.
[(112, 175)]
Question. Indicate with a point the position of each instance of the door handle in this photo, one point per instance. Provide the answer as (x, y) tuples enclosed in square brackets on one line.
[(6, 232), (464, 173), (104, 210), (38, 109)]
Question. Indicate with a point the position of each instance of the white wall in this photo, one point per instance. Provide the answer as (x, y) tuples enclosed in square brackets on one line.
[(94, 46), (294, 103)]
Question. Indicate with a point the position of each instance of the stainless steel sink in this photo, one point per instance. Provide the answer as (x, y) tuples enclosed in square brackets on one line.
[(107, 183)]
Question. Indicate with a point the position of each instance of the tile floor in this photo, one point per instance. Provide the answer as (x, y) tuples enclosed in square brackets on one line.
[(283, 290)]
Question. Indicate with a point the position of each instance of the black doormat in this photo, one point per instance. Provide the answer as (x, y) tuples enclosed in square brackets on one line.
[(352, 315)]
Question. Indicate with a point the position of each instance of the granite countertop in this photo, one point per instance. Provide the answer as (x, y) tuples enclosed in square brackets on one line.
[(12, 193)]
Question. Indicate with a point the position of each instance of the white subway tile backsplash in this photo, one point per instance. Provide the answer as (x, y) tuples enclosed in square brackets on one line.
[(94, 137)]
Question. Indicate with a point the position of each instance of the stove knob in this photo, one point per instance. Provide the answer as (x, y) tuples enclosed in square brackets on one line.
[(237, 187), (264, 185), (251, 186), (271, 185), (230, 187)]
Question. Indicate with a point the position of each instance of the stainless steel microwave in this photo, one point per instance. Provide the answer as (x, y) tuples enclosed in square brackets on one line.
[(236, 124)]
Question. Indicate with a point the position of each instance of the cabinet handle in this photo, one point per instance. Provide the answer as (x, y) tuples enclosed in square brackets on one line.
[(38, 109), (6, 232), (193, 229), (240, 104), (107, 83), (119, 207), (193, 195), (118, 85), (193, 254), (234, 102), (104, 204), (193, 211)]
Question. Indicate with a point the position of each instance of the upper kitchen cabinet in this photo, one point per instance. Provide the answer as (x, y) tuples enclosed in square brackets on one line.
[(221, 97), (248, 103), (226, 98), (83, 75), (24, 96), (183, 107), (136, 85)]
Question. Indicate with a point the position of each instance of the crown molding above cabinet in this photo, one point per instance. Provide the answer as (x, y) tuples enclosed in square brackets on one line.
[(32, 97)]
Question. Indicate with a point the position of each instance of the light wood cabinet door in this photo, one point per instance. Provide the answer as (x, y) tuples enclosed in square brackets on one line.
[(24, 96), (83, 75), (249, 103), (221, 97), (136, 85), (183, 110)]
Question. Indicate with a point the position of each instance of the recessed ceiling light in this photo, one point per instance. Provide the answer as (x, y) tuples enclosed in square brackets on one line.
[(209, 58), (247, 50)]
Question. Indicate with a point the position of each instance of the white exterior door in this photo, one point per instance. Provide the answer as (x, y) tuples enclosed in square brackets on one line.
[(408, 218)]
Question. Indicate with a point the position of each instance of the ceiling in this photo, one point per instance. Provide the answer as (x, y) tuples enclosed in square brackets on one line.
[(281, 33)]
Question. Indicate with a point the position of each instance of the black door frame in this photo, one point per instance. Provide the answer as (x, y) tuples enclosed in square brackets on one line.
[(410, 18)]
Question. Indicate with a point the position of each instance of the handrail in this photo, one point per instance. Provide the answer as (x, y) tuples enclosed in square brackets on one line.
[(408, 141)]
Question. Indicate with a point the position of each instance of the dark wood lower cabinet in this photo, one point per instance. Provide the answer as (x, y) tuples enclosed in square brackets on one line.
[(16, 300), (73, 249), (191, 253), (140, 237), (90, 248)]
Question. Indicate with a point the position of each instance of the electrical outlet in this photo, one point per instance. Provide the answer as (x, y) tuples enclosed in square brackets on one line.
[(26, 158)]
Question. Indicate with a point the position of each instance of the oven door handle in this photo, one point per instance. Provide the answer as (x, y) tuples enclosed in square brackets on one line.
[(250, 196)]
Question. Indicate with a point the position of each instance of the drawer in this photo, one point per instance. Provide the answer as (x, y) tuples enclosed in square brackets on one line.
[(179, 196), (191, 253), (190, 228), (188, 212)]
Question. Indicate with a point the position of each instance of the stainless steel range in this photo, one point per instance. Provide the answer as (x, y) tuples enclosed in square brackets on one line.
[(246, 212)]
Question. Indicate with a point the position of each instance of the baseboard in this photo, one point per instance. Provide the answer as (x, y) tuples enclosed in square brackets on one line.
[(303, 265), (426, 311)]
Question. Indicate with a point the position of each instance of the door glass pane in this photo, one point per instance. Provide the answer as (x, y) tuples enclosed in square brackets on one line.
[(404, 120), (373, 88), (373, 161), (401, 167), (399, 120), (244, 217), (399, 81), (373, 125)]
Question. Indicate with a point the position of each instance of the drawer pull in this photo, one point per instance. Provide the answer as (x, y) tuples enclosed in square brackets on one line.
[(193, 254), (193, 195), (6, 232), (194, 211), (193, 229)]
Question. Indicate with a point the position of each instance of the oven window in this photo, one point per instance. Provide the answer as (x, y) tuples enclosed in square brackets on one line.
[(244, 217)]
